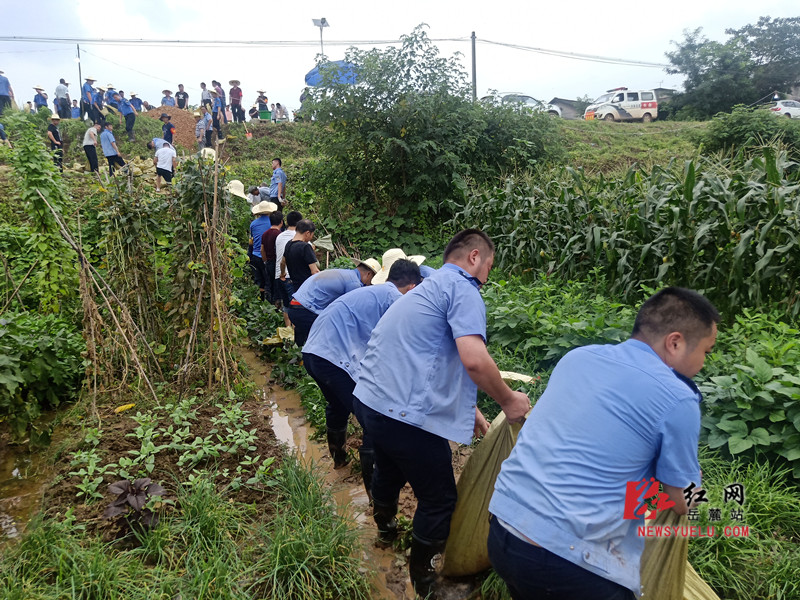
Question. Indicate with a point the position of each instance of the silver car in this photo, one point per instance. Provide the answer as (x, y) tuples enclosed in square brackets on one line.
[(788, 108)]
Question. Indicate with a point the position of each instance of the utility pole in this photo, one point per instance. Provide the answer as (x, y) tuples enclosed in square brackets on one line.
[(80, 81), (474, 82)]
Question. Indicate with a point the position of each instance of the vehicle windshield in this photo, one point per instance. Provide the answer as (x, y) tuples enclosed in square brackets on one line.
[(521, 99), (604, 98)]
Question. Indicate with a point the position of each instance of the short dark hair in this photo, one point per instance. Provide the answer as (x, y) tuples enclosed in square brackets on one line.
[(276, 218), (404, 272), (467, 240), (280, 164), (202, 83), (61, 80), (109, 124), (676, 309), (305, 225), (293, 218)]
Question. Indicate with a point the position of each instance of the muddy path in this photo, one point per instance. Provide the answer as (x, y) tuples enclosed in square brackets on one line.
[(388, 568)]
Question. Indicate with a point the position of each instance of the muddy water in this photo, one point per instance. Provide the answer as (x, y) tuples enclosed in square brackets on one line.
[(22, 481), (292, 429)]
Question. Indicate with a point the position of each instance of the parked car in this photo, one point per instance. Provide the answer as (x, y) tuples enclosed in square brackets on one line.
[(622, 104), (530, 103), (788, 108)]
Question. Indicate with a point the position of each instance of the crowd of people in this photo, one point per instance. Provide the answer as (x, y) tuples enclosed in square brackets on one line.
[(403, 348)]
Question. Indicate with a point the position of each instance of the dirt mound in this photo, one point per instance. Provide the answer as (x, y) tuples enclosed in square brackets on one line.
[(183, 122)]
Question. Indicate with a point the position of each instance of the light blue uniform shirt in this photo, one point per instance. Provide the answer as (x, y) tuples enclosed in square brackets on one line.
[(5, 86), (106, 138), (322, 288), (610, 414), (412, 371), (277, 176), (125, 107), (341, 332), (426, 271), (109, 97), (75, 112), (257, 229), (168, 101)]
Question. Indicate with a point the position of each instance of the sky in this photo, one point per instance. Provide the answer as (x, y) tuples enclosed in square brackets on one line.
[(641, 33)]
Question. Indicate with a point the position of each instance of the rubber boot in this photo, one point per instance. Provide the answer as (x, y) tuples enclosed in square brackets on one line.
[(367, 458), (384, 515), (337, 445), (422, 566)]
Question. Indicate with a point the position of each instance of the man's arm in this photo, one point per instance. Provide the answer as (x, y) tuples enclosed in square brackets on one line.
[(314, 267), (676, 495), (484, 372), (283, 269)]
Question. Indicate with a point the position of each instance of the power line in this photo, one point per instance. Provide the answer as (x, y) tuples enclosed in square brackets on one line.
[(579, 56)]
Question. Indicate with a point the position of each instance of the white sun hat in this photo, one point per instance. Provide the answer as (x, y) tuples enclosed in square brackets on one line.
[(235, 186), (389, 258), (264, 207)]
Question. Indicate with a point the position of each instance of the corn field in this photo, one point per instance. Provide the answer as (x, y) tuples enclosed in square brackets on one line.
[(727, 226)]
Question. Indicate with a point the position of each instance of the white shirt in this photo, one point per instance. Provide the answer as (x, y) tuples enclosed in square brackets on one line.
[(61, 91), (164, 157), (90, 137), (280, 245)]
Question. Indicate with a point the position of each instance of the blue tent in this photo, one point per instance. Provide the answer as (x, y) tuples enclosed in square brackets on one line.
[(343, 72)]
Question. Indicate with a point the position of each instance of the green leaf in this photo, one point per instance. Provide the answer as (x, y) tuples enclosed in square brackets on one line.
[(733, 427), (759, 436), (737, 445), (777, 415)]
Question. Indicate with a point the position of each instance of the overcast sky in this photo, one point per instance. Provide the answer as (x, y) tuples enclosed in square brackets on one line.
[(635, 31)]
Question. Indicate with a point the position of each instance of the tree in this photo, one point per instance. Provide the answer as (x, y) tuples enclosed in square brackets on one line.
[(756, 61), (400, 143)]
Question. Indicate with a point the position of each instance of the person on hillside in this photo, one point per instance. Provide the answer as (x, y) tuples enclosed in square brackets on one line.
[(157, 143), (90, 146), (136, 102), (217, 107), (268, 254), (205, 96), (300, 260), (6, 92), (62, 99), (4, 141), (611, 415), (284, 285), (111, 103), (98, 108), (199, 130), (167, 128), (257, 229), (235, 96), (334, 349), (87, 98), (109, 144), (128, 113), (181, 97), (40, 99), (277, 185), (314, 294), (75, 110), (165, 161), (417, 389), (221, 95), (56, 145), (207, 119), (167, 100)]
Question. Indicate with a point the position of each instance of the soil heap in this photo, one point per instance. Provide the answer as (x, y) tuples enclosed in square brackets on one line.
[(184, 125)]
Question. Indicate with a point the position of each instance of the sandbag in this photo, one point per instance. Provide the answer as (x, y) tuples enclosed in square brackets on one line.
[(665, 571)]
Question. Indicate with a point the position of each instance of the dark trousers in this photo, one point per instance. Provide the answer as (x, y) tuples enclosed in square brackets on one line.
[(5, 102), (63, 108), (58, 157), (97, 116), (91, 155), (114, 160), (404, 453), (284, 292), (533, 573), (130, 119), (259, 276), (217, 126), (269, 280), (208, 138), (238, 113), (337, 386), (302, 319)]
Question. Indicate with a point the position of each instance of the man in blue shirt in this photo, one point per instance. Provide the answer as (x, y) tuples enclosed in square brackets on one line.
[(111, 103), (417, 389), (128, 113), (6, 92), (87, 98), (611, 415), (277, 185), (260, 224), (335, 347), (136, 102), (40, 99), (98, 106), (110, 150), (319, 290), (217, 109), (75, 110), (167, 128), (168, 100)]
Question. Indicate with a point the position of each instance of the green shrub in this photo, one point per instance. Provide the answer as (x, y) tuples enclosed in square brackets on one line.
[(749, 129)]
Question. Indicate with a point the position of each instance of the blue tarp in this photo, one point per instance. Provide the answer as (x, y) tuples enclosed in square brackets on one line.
[(343, 72)]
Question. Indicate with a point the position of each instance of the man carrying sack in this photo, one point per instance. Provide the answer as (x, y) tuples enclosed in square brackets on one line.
[(613, 419)]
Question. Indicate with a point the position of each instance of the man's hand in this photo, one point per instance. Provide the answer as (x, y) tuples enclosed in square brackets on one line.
[(481, 424), (517, 407)]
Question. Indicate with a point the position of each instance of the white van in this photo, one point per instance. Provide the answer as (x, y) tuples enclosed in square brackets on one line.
[(622, 104)]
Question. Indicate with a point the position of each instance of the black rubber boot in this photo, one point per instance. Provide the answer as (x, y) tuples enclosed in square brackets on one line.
[(337, 445), (422, 564), (384, 515), (367, 458)]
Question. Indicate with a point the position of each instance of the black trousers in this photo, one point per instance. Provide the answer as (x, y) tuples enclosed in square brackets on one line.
[(58, 157), (5, 102), (208, 138), (63, 108), (130, 119), (91, 155), (217, 126), (302, 319), (114, 160)]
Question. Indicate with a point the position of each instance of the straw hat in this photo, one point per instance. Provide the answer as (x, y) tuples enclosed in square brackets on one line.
[(234, 186), (261, 91), (264, 207), (210, 154), (100, 87), (38, 87), (389, 258), (234, 82), (372, 264), (89, 79), (132, 94), (110, 86), (165, 92), (196, 114), (55, 117)]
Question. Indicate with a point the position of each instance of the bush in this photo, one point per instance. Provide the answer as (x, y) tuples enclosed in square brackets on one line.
[(749, 129)]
